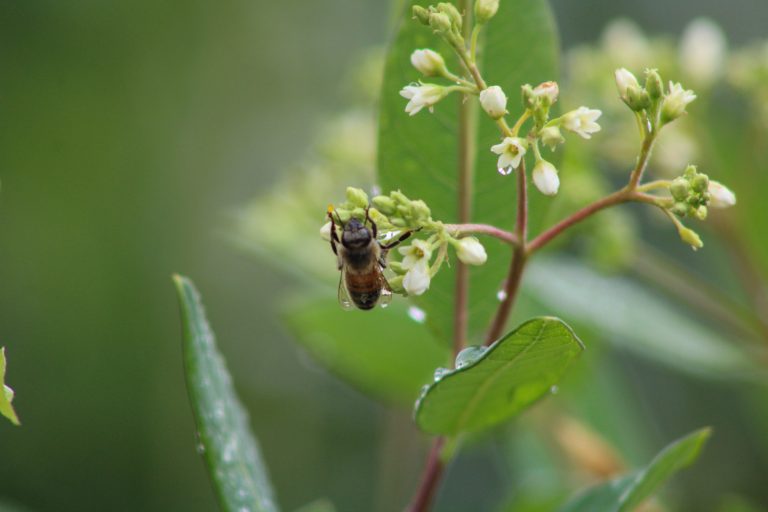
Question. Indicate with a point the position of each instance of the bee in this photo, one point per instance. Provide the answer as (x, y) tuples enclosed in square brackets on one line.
[(362, 260)]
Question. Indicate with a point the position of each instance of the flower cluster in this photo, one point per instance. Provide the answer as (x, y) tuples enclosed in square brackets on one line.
[(395, 214), (656, 106)]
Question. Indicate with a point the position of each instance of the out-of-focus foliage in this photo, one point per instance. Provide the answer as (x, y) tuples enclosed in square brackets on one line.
[(6, 393)]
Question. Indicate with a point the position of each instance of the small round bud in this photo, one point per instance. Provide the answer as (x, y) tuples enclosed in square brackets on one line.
[(680, 188), (720, 196), (700, 183), (421, 14), (400, 198), (551, 136), (396, 267), (452, 12), (485, 10), (357, 197), (547, 92), (690, 237), (638, 100), (396, 284), (494, 101), (545, 178), (420, 210), (680, 208), (470, 251), (529, 98), (379, 218), (701, 212), (653, 84), (625, 81), (428, 62), (440, 22), (385, 204), (325, 231)]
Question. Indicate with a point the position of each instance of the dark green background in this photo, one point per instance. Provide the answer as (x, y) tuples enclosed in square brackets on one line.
[(128, 132)]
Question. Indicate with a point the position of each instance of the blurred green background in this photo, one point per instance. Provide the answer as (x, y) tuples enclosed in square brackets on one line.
[(129, 133)]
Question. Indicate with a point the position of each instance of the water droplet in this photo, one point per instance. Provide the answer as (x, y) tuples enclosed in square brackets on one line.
[(200, 447), (505, 171), (501, 295), (418, 315), (554, 390), (469, 355), (440, 373)]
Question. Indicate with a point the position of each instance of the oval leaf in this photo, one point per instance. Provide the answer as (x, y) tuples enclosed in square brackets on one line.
[(6, 394), (512, 374), (419, 154), (626, 493), (382, 352), (230, 450)]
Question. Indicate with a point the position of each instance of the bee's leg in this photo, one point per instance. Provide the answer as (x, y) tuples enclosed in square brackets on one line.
[(374, 228), (334, 236), (400, 239)]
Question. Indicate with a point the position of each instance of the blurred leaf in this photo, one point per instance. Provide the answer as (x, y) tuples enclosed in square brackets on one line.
[(512, 374), (635, 319), (6, 397), (382, 352), (626, 493), (419, 154), (229, 448), (318, 506)]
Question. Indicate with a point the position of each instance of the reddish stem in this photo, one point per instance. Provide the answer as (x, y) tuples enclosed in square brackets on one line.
[(429, 478)]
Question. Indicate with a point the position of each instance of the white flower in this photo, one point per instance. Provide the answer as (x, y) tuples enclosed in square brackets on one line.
[(510, 151), (428, 62), (485, 10), (471, 251), (416, 280), (419, 251), (702, 51), (325, 232), (420, 96), (548, 90), (545, 178), (720, 196), (675, 102), (582, 121), (494, 101), (625, 81)]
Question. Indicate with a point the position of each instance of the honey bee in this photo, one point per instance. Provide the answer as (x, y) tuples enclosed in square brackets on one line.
[(362, 260)]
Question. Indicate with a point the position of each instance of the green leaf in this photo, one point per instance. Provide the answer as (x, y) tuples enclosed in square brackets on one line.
[(230, 450), (626, 493), (635, 319), (318, 506), (418, 154), (6, 397), (382, 352), (512, 374)]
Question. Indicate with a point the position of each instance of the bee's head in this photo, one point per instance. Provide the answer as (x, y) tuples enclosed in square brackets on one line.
[(355, 234)]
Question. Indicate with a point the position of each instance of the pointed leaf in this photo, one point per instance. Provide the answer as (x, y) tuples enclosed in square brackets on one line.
[(229, 448), (626, 493), (419, 154), (6, 397), (512, 374), (382, 352)]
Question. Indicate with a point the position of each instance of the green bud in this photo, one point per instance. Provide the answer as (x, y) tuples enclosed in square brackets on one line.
[(357, 197), (396, 284), (440, 22), (400, 198), (701, 212), (529, 98), (453, 13), (690, 172), (485, 10), (690, 237), (398, 222), (637, 99), (403, 210), (396, 267), (551, 136), (379, 218), (359, 213), (420, 210), (680, 209), (679, 189), (653, 84), (700, 183), (343, 215), (421, 14), (385, 204)]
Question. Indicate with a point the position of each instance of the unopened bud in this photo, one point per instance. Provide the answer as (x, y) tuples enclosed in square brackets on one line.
[(494, 101), (385, 204), (470, 251), (396, 284), (545, 178), (680, 188), (440, 22), (720, 196), (357, 197), (638, 100), (547, 92), (625, 80), (400, 198), (700, 183), (690, 237), (396, 267), (452, 12), (653, 84), (485, 10), (428, 62), (529, 98), (420, 210), (701, 212), (421, 14), (551, 136)]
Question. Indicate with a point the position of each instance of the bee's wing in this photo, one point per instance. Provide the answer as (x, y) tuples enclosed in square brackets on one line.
[(386, 292), (344, 299)]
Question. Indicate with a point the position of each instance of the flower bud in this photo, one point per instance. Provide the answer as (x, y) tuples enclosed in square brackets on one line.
[(400, 198), (396, 267), (675, 102), (625, 81), (440, 22), (385, 204), (690, 237), (547, 92), (396, 284), (471, 251), (638, 100), (529, 98), (357, 197), (485, 10), (325, 232), (551, 136), (720, 196), (428, 62), (452, 12), (680, 188), (701, 212), (653, 84), (421, 14), (545, 178), (420, 210), (494, 101), (700, 183)]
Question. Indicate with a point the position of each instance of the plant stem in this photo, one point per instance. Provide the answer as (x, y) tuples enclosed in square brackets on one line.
[(429, 478), (483, 229), (519, 257)]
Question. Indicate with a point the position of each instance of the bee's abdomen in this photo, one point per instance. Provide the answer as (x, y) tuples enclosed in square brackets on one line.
[(364, 289)]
